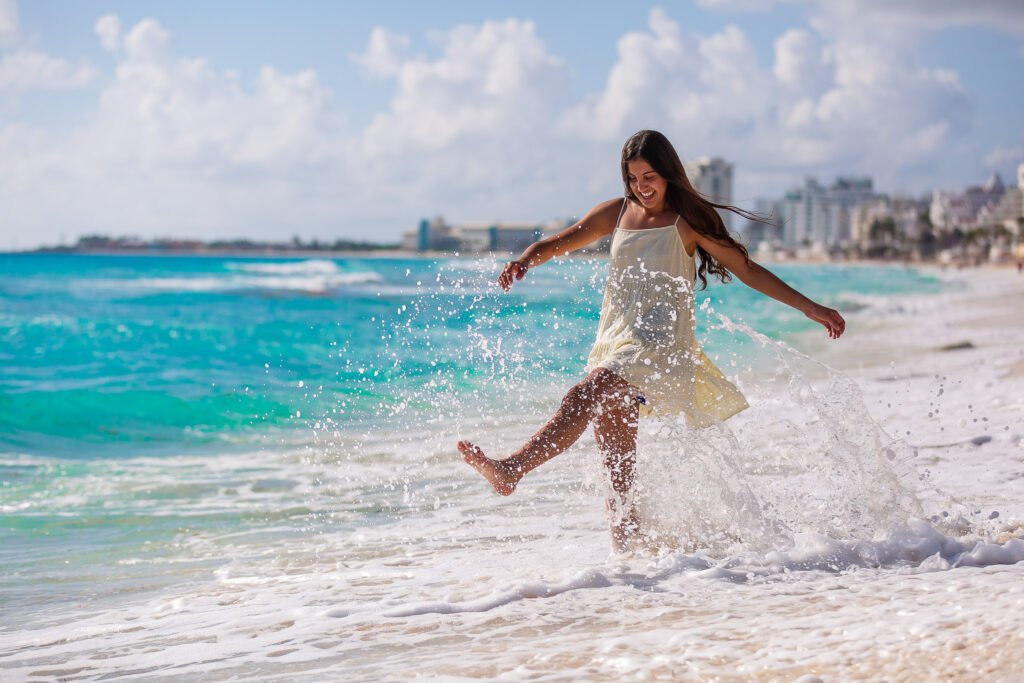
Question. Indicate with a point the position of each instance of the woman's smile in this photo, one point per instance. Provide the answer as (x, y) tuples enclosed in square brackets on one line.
[(647, 185)]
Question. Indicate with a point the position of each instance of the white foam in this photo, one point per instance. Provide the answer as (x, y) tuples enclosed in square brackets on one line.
[(297, 282), (530, 590), (308, 267)]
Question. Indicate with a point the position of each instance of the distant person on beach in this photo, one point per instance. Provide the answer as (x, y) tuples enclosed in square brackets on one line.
[(646, 360)]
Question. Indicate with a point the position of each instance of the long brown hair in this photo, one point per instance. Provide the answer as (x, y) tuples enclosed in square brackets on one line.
[(698, 211)]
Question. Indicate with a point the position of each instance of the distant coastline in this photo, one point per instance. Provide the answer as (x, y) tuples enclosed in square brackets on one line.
[(103, 244)]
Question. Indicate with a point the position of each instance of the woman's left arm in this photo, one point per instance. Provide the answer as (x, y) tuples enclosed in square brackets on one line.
[(763, 280)]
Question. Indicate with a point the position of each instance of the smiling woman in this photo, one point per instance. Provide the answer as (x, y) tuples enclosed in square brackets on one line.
[(646, 360)]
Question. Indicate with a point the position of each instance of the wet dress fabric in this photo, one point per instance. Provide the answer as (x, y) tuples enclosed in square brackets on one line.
[(646, 332)]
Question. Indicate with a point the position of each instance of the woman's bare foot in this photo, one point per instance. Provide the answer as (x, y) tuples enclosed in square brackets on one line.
[(502, 477)]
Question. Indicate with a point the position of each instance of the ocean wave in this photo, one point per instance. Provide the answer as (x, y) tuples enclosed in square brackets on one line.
[(913, 547), (309, 284), (308, 267)]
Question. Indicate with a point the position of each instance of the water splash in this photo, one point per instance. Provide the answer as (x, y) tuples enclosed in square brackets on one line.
[(806, 458)]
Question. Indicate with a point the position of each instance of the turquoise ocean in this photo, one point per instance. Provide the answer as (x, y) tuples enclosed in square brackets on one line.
[(169, 425), (107, 356)]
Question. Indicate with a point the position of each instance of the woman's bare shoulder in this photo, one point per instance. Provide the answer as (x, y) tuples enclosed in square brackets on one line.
[(687, 234), (609, 206), (604, 215)]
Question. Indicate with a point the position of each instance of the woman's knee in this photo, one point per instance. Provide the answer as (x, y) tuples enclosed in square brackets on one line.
[(604, 395), (609, 390)]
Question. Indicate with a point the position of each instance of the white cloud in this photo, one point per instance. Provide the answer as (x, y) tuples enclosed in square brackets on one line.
[(469, 124), (705, 92), (885, 111), (178, 146), (496, 78), (846, 105), (800, 64), (147, 41), (26, 69), (9, 29), (653, 71), (743, 5), (1006, 16), (108, 28), (483, 128), (918, 16), (172, 112), (1002, 15), (384, 54), (1001, 157)]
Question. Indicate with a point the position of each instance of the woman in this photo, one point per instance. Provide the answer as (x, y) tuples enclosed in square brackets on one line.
[(646, 359)]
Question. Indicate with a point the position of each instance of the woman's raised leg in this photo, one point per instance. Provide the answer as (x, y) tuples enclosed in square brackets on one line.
[(581, 405), (615, 429)]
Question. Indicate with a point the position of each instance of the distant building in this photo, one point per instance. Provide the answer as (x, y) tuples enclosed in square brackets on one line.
[(436, 235), (959, 210), (712, 177), (818, 217), (805, 216), (884, 220), (866, 214), (1004, 213), (844, 195), (510, 237), (431, 235), (765, 236)]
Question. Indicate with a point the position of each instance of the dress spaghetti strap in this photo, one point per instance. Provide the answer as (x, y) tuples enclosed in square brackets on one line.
[(618, 221)]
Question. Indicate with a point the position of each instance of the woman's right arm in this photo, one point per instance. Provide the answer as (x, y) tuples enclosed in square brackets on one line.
[(597, 223)]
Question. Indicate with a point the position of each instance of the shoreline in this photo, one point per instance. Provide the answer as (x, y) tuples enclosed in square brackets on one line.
[(944, 373)]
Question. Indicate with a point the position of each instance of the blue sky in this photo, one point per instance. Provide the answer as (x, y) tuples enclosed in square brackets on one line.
[(325, 119)]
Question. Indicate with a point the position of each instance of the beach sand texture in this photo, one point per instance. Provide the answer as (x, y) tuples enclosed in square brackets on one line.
[(455, 583)]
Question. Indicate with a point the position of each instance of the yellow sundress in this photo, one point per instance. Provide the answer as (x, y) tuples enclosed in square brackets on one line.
[(646, 332)]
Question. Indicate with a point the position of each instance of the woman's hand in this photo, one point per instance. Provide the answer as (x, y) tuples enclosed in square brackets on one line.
[(830, 318), (513, 270)]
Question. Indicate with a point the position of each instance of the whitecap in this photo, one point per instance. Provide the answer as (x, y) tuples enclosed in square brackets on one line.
[(307, 267), (312, 284)]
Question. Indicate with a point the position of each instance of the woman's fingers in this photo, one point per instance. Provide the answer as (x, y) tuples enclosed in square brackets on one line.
[(836, 324), (830, 319), (512, 271)]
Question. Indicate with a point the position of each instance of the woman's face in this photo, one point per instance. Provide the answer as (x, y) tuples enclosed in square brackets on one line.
[(647, 185)]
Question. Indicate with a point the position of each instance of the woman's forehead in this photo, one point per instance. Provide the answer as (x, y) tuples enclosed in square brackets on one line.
[(639, 166)]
